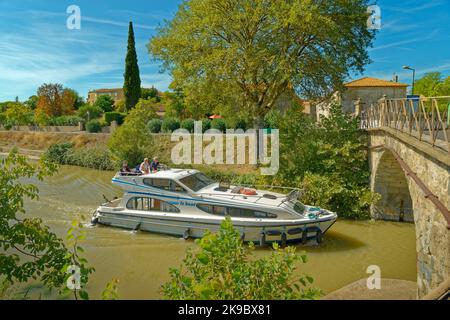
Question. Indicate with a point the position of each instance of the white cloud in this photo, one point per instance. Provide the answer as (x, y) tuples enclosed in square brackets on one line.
[(115, 23), (416, 7), (415, 39)]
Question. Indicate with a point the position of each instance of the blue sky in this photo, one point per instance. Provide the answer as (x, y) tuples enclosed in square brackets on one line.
[(37, 47)]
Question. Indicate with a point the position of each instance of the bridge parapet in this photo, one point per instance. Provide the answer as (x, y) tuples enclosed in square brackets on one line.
[(426, 119)]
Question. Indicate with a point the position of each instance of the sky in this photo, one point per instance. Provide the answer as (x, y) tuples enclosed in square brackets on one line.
[(37, 47)]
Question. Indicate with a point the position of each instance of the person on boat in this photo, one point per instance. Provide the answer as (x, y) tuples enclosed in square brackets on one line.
[(145, 167), (125, 170), (154, 165)]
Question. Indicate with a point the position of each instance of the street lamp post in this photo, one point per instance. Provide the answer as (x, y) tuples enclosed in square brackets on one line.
[(414, 76)]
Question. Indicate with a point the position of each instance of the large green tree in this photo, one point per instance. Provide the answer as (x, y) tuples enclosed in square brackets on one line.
[(432, 85), (259, 49), (132, 81)]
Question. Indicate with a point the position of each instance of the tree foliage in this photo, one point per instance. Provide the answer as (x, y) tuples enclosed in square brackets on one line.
[(16, 114), (54, 100), (222, 269), (433, 85), (328, 160), (150, 93), (132, 80), (132, 141), (257, 50), (29, 249), (105, 102)]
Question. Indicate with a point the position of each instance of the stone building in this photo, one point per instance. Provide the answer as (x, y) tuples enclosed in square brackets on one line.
[(116, 94), (368, 90)]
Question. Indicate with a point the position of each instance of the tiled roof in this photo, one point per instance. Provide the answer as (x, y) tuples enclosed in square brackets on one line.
[(106, 90), (373, 82)]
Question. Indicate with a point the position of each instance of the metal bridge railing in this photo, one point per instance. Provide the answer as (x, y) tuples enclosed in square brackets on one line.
[(426, 119)]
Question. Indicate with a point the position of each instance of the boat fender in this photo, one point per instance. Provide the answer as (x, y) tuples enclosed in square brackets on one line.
[(283, 239), (262, 239), (295, 231), (187, 234), (273, 233), (138, 227), (319, 236)]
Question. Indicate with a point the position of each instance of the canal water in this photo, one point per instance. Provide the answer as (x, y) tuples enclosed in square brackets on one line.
[(141, 261)]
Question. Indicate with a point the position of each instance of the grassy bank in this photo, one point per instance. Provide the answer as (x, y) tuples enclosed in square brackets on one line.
[(43, 140)]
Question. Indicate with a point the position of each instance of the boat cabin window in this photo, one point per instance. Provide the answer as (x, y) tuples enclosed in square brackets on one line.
[(235, 212), (150, 204), (197, 181), (164, 184)]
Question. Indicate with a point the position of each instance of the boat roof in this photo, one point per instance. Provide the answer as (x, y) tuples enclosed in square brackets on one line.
[(171, 174)]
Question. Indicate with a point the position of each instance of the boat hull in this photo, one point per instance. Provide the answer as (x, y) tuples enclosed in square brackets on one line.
[(261, 232)]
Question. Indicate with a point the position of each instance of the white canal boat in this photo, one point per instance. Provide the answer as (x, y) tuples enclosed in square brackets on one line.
[(187, 203)]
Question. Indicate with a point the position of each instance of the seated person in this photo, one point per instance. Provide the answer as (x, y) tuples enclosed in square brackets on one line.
[(154, 165), (144, 168), (125, 170)]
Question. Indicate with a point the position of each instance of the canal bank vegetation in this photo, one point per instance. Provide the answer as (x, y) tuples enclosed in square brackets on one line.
[(221, 268)]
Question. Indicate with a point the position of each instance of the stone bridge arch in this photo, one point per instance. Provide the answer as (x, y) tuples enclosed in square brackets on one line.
[(390, 154), (391, 183)]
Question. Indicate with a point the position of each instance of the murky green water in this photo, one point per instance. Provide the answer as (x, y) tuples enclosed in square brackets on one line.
[(141, 260)]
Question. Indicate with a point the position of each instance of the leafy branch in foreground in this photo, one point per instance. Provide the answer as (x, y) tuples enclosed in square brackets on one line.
[(76, 269), (222, 269), (29, 250)]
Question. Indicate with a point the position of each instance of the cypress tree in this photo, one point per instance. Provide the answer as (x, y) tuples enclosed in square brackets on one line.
[(132, 81)]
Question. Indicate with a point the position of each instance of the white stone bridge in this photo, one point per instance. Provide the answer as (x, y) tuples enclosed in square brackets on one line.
[(410, 165)]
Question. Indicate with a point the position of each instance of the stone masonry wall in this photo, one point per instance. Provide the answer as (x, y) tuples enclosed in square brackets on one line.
[(432, 235)]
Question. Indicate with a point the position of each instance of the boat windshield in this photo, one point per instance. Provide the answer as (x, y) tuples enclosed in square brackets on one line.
[(197, 181), (299, 207)]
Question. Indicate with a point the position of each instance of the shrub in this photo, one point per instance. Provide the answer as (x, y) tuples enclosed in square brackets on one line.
[(132, 141), (7, 126), (272, 119), (91, 157), (206, 124), (241, 124), (219, 124), (93, 126), (119, 106), (170, 125), (65, 121), (154, 125), (114, 116), (89, 112), (222, 269), (188, 124), (105, 102), (58, 152)]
